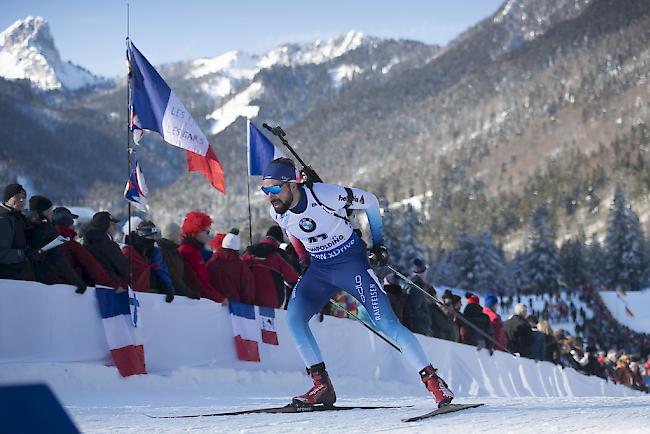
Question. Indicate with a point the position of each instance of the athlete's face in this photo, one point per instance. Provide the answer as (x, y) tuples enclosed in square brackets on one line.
[(281, 199)]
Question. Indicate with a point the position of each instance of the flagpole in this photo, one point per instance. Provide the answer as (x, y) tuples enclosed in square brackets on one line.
[(248, 183), (128, 138)]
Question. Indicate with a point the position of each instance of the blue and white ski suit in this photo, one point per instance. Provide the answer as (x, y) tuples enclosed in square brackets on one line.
[(339, 261)]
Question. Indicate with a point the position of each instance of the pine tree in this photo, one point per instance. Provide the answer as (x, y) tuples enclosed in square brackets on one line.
[(595, 263), (488, 264), (541, 260), (462, 259), (572, 263), (410, 225), (479, 265), (392, 236), (519, 269), (625, 246)]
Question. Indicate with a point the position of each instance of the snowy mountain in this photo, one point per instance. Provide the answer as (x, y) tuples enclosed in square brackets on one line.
[(526, 20), (232, 81), (27, 51), (540, 103)]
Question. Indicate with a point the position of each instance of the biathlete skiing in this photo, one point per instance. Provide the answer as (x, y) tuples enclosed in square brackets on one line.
[(315, 218)]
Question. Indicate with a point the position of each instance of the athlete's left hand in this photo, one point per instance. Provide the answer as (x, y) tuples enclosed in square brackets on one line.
[(378, 255)]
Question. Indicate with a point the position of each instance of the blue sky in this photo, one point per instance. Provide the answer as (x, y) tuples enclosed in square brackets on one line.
[(91, 33)]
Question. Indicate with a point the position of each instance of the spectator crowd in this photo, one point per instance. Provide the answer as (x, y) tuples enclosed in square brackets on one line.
[(185, 260)]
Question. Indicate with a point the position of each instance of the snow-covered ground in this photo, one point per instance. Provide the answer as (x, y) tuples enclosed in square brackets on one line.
[(101, 402), (192, 367), (638, 303)]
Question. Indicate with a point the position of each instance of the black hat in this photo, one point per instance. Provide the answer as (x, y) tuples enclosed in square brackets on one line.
[(276, 233), (63, 216), (39, 203), (11, 190), (419, 266), (102, 220)]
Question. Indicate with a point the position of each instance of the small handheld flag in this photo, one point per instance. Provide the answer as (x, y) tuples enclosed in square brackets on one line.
[(136, 189)]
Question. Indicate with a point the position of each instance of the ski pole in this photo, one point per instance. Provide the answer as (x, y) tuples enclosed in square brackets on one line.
[(385, 339), (461, 317)]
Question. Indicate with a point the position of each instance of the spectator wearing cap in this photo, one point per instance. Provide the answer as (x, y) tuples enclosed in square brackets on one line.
[(149, 272), (54, 266), (490, 309), (99, 242), (518, 331), (228, 272), (169, 245), (196, 232), (16, 255), (81, 260), (416, 314), (473, 313), (270, 269)]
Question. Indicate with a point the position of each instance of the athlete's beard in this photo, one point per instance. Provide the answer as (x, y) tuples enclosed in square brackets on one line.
[(281, 206)]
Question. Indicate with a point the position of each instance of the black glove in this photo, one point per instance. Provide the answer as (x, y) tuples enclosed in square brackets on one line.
[(34, 255), (80, 289), (378, 255), (169, 297)]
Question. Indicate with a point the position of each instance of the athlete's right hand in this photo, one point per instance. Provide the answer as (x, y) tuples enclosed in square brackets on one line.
[(378, 255)]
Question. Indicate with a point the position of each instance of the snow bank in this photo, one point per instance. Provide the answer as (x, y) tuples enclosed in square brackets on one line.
[(47, 330), (638, 302)]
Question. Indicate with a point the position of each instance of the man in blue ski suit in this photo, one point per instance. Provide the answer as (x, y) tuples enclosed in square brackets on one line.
[(315, 218)]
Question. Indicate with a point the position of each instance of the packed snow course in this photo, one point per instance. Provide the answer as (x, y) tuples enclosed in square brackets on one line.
[(50, 334)]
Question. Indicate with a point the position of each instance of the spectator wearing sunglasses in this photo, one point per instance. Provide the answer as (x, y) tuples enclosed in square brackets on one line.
[(196, 233)]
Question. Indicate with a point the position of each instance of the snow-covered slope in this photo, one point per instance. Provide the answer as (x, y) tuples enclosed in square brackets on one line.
[(233, 68), (526, 20), (316, 52), (27, 51), (636, 302)]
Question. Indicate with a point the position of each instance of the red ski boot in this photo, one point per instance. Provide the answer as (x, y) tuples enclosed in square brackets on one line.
[(322, 392), (436, 386)]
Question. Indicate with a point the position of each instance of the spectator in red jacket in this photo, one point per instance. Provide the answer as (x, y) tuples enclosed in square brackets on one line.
[(270, 269), (196, 232), (490, 309), (82, 261), (228, 272)]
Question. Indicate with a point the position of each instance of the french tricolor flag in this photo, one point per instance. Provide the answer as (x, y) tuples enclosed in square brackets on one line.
[(261, 151), (120, 331), (155, 107), (246, 331), (267, 324)]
